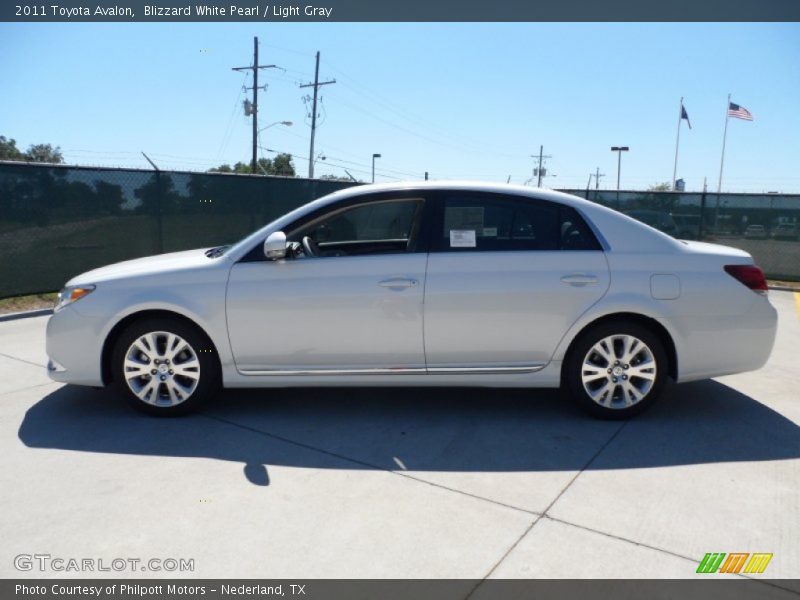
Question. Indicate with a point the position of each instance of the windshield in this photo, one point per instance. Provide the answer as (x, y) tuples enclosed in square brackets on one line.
[(259, 235)]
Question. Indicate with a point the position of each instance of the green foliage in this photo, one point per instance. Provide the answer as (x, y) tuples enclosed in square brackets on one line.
[(9, 150), (280, 165), (45, 153), (41, 153), (660, 187)]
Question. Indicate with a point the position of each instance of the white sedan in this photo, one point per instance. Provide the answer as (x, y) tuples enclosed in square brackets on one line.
[(420, 284)]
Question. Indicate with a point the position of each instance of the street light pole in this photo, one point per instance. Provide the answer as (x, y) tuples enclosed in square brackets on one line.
[(619, 150), (284, 123), (258, 134), (374, 156)]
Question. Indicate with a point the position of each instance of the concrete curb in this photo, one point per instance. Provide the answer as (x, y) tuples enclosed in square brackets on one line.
[(26, 314)]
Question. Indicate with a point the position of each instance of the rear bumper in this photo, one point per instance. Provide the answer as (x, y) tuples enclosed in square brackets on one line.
[(723, 345)]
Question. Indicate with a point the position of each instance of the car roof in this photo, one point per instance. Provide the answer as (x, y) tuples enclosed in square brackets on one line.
[(456, 185)]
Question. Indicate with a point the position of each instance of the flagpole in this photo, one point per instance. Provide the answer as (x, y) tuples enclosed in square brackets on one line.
[(724, 138), (677, 143)]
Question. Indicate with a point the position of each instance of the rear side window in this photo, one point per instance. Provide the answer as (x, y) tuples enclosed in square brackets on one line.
[(497, 224), (574, 233)]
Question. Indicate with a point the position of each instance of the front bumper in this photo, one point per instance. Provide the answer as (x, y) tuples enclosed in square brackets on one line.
[(74, 346)]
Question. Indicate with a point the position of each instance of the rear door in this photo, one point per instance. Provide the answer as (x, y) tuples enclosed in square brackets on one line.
[(507, 276)]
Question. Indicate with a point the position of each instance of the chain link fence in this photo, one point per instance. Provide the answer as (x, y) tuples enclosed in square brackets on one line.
[(58, 221)]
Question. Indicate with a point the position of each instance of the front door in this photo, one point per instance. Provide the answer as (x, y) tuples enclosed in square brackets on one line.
[(348, 301)]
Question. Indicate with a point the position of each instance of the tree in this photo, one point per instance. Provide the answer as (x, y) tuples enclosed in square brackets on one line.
[(9, 150), (660, 187), (281, 165), (42, 153)]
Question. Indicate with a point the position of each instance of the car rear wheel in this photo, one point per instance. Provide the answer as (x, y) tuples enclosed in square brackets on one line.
[(165, 367), (616, 370)]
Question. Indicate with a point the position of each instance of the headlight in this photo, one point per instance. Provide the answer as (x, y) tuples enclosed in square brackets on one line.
[(71, 294)]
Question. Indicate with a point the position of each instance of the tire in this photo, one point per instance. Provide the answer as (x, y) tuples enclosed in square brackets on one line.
[(636, 379), (184, 360)]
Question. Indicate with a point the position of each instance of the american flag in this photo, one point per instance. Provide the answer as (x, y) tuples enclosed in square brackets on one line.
[(739, 112)]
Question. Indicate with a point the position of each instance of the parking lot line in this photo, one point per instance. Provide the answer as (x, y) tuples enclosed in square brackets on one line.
[(797, 303)]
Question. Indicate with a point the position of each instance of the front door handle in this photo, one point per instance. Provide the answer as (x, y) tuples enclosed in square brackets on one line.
[(398, 283), (579, 279)]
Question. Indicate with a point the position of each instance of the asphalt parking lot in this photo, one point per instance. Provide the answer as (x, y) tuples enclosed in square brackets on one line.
[(403, 483)]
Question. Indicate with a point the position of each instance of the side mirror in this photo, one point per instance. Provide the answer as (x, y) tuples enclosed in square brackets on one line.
[(275, 245)]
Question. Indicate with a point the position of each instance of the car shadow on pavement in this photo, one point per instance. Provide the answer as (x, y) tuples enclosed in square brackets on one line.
[(428, 429)]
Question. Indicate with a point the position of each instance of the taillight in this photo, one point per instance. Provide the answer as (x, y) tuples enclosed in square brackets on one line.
[(749, 275)]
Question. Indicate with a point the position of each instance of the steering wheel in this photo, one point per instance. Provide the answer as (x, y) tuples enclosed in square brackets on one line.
[(310, 247)]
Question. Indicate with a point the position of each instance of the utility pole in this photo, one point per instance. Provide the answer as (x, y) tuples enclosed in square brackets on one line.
[(597, 177), (541, 150), (254, 107), (538, 171), (316, 85)]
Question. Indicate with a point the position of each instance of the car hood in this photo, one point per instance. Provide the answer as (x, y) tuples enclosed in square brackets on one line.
[(150, 265)]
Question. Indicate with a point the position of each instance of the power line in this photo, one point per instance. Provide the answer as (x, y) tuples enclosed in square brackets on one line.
[(330, 160), (364, 92), (457, 141), (228, 129)]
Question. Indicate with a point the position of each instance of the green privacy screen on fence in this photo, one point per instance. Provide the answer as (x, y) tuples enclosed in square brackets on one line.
[(56, 222), (765, 225)]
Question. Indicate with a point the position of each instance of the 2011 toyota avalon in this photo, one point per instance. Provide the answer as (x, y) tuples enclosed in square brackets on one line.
[(424, 284)]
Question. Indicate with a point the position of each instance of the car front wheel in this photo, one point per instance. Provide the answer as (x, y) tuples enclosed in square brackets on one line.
[(616, 370), (165, 367)]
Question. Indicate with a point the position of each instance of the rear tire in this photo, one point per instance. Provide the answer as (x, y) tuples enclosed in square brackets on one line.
[(616, 370), (165, 367)]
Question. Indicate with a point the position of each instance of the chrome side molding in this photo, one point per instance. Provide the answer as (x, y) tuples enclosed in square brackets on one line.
[(495, 370)]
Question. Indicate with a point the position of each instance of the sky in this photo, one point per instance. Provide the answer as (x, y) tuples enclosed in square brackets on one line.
[(459, 100)]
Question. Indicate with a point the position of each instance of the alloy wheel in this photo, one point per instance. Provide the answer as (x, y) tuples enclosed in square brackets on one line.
[(618, 371), (161, 368)]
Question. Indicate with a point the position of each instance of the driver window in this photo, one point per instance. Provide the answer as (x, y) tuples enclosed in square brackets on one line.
[(374, 228)]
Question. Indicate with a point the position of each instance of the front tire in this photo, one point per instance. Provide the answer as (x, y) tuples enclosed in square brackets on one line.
[(616, 370), (165, 367)]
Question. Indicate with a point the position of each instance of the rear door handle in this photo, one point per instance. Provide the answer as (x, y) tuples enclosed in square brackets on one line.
[(579, 279), (398, 283)]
